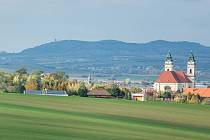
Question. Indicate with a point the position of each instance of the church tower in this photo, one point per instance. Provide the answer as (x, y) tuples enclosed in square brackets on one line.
[(191, 68), (169, 62), (89, 79)]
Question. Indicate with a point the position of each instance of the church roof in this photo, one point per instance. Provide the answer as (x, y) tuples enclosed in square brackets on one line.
[(173, 77)]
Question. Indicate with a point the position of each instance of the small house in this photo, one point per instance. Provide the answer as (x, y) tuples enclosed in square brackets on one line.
[(138, 96)]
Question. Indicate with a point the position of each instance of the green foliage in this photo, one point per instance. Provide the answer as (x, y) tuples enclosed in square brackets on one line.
[(135, 90), (127, 94), (115, 91), (82, 91), (167, 95), (21, 71), (54, 81)]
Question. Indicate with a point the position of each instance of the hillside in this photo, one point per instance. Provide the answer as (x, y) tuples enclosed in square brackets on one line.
[(43, 117), (106, 57)]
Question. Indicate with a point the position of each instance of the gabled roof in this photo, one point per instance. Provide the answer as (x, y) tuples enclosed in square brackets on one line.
[(173, 77), (98, 92), (203, 92)]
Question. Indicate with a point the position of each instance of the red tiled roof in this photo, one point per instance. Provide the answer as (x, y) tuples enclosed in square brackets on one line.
[(203, 92), (173, 77)]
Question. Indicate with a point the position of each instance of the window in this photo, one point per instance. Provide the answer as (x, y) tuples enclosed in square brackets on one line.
[(190, 71)]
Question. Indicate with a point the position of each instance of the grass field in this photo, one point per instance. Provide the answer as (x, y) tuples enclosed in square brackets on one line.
[(29, 117)]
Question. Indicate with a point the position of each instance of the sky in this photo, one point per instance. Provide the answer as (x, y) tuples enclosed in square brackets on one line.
[(28, 23)]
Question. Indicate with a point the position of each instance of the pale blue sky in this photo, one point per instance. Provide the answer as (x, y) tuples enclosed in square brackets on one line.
[(28, 23)]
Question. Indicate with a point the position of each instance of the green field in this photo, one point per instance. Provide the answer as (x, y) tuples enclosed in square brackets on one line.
[(28, 117)]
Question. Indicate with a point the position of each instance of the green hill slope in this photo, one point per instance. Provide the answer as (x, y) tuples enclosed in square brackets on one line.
[(42, 117)]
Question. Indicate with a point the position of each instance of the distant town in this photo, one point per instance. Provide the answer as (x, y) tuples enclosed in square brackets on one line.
[(169, 85)]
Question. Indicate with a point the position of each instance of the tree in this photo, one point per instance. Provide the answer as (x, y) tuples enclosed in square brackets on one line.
[(72, 87), (55, 81), (82, 91), (127, 94), (189, 97), (115, 90), (167, 95), (5, 81), (19, 80), (22, 71), (32, 83), (135, 90)]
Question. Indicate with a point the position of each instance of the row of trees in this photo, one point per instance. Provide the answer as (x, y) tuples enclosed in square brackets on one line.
[(188, 98), (21, 80)]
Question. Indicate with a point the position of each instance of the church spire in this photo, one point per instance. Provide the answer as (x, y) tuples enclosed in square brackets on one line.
[(191, 57), (169, 57), (89, 79), (169, 62)]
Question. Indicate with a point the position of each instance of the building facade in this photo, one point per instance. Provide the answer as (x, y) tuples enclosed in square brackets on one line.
[(175, 81)]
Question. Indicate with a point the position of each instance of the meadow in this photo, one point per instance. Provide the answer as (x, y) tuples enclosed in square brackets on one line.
[(31, 117)]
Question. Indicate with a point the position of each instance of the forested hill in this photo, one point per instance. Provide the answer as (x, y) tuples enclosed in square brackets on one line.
[(106, 56)]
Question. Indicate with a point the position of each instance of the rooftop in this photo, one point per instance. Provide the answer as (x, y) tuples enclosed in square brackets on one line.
[(173, 77)]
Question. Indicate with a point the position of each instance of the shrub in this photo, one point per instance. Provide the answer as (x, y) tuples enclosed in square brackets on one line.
[(82, 91), (180, 98), (206, 101), (195, 99)]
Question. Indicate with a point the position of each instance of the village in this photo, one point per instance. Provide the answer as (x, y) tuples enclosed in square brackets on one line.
[(170, 85)]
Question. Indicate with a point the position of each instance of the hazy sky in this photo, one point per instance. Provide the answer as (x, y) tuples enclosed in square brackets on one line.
[(28, 23)]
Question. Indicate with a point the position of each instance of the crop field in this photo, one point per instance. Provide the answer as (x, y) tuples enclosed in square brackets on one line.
[(31, 117)]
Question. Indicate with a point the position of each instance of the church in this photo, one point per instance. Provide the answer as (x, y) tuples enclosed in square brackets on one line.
[(175, 81)]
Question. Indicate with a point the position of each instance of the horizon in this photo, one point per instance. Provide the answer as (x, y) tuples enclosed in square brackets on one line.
[(55, 40), (26, 24)]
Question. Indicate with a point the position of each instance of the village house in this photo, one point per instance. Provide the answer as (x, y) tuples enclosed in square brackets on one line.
[(202, 92), (138, 96), (175, 81), (142, 96)]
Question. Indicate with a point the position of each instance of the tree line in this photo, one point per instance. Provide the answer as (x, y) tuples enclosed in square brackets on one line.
[(21, 80)]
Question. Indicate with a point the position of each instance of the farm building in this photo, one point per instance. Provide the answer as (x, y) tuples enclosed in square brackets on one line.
[(138, 96), (99, 93), (141, 96), (202, 92)]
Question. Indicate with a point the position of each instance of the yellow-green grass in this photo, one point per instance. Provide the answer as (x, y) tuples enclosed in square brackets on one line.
[(30, 117)]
